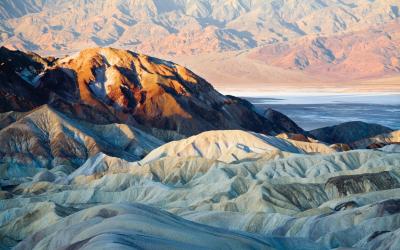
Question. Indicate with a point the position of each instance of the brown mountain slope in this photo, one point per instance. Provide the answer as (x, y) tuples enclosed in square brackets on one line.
[(105, 85)]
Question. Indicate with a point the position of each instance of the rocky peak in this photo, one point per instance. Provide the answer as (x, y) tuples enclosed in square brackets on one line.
[(104, 85), (283, 120)]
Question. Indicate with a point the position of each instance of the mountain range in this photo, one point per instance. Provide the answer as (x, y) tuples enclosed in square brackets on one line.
[(225, 25), (108, 148), (305, 39), (104, 145)]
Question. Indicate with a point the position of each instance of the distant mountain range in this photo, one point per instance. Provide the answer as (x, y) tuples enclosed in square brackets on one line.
[(317, 36), (182, 26)]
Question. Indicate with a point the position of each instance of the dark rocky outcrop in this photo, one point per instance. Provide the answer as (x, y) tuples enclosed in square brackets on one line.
[(283, 121), (391, 206), (344, 185), (349, 132), (17, 73), (346, 205)]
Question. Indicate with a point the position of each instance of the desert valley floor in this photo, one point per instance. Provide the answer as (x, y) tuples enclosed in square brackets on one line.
[(321, 110)]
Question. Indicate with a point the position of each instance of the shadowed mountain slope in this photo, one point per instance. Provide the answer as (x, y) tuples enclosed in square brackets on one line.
[(286, 122), (349, 132)]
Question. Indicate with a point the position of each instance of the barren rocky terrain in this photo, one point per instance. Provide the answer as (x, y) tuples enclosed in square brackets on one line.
[(114, 133), (109, 148)]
